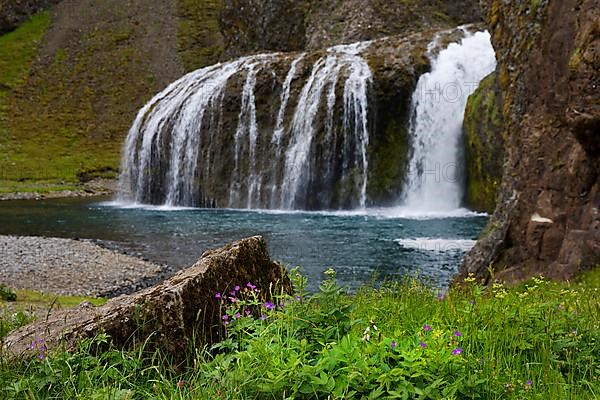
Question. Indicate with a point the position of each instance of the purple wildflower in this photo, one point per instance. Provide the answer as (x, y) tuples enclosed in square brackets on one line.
[(441, 296), (269, 305), (529, 383), (263, 317), (232, 299), (41, 356), (427, 328), (393, 345), (457, 351), (238, 315), (236, 288), (298, 298), (218, 295), (250, 286), (225, 317), (457, 333), (423, 345), (232, 293)]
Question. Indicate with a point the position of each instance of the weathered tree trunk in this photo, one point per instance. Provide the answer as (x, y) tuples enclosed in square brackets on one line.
[(169, 314)]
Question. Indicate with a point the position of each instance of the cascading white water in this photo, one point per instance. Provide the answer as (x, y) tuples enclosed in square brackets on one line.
[(326, 73), (279, 125), (183, 104), (434, 180), (181, 150), (247, 127)]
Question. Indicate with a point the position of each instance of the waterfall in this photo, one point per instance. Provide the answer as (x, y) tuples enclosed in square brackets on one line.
[(325, 73), (185, 148), (434, 182)]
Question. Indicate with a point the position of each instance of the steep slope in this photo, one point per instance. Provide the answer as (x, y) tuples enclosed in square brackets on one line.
[(547, 220), (98, 62)]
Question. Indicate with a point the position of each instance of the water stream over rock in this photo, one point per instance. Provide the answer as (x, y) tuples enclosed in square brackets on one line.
[(271, 159), (324, 130), (435, 178)]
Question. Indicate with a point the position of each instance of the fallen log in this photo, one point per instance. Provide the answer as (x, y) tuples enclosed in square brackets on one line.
[(169, 315)]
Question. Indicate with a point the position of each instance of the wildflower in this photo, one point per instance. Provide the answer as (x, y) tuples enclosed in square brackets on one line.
[(457, 351), (441, 297), (41, 356), (263, 317), (238, 315), (457, 333), (232, 299), (236, 288), (367, 334), (427, 328), (218, 295), (225, 317), (250, 286), (472, 302), (393, 345), (529, 383), (247, 312), (470, 278), (232, 293), (298, 298), (423, 345), (269, 305)]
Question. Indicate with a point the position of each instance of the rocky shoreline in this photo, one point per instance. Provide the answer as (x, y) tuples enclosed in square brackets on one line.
[(73, 267)]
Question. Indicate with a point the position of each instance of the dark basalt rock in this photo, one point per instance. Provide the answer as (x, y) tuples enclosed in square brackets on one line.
[(168, 315), (548, 215)]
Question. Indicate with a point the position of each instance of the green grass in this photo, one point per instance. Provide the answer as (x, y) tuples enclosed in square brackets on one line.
[(66, 113), (20, 307), (18, 48), (538, 341)]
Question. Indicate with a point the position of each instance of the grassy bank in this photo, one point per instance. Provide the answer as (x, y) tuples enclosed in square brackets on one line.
[(538, 341)]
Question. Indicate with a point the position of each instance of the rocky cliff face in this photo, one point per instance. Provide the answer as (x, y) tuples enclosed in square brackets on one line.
[(241, 27), (547, 220)]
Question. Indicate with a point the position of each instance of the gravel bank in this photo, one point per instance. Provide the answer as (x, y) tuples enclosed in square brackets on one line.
[(94, 188), (72, 267)]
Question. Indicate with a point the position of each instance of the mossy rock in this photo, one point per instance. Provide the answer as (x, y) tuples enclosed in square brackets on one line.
[(484, 145)]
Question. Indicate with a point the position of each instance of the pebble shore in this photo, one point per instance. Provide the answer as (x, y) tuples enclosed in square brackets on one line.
[(72, 267)]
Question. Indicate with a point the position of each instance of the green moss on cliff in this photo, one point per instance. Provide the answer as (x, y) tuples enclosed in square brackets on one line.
[(199, 39), (484, 145), (388, 164)]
